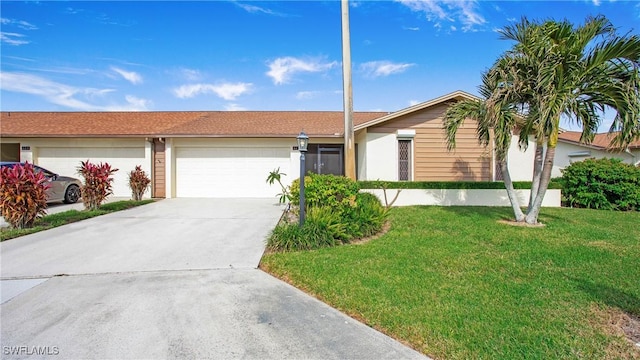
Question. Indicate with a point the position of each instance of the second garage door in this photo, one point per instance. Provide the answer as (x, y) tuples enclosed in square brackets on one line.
[(65, 161), (228, 172)]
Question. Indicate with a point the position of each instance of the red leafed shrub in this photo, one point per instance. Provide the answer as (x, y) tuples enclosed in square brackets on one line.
[(138, 182), (97, 183), (24, 196)]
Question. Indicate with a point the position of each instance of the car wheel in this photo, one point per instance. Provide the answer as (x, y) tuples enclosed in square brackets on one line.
[(72, 194)]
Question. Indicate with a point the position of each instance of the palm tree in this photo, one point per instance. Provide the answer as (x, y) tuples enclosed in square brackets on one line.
[(497, 119), (555, 70), (558, 70)]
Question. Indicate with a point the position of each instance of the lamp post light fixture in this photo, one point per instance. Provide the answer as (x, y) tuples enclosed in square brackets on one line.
[(303, 143)]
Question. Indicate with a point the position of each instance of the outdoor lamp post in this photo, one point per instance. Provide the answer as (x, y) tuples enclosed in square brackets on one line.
[(303, 142)]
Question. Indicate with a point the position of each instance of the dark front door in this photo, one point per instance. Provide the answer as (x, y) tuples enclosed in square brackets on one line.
[(158, 184), (325, 159)]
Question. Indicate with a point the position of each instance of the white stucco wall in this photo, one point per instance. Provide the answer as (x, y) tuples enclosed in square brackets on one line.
[(564, 149), (521, 162), (381, 157), (462, 197), (361, 140)]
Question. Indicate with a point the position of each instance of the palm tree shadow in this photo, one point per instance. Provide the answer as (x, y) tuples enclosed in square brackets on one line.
[(629, 303), (489, 212)]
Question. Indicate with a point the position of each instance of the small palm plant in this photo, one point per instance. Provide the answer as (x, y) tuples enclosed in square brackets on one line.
[(275, 176)]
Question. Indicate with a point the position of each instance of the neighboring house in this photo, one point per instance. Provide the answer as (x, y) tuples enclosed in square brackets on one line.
[(570, 150), (229, 154)]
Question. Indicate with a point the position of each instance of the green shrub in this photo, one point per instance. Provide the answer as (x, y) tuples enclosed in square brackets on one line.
[(325, 190), (602, 184), (23, 195), (368, 216), (336, 214)]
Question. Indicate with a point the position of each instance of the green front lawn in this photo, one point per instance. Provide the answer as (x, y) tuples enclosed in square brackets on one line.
[(70, 216), (454, 283)]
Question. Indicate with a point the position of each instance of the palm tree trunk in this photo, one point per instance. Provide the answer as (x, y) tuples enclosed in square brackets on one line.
[(545, 177), (511, 192), (537, 172)]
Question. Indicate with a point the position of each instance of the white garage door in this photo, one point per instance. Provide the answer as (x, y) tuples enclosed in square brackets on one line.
[(65, 161), (228, 172)]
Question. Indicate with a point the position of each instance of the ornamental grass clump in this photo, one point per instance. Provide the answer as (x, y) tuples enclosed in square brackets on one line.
[(138, 182), (97, 183), (24, 196)]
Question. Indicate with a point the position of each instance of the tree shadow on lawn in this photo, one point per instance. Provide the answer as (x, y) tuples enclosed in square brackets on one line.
[(623, 315), (488, 212), (610, 296), (498, 213)]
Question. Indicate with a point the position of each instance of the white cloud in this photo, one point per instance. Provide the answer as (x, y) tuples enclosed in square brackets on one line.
[(14, 39), (470, 17), (131, 76), (413, 28), (234, 107), (73, 97), (383, 68), (596, 2), (72, 11), (19, 23), (137, 102), (413, 102), (463, 11), (431, 8), (281, 70), (257, 9), (190, 74), (306, 95), (19, 58), (227, 91)]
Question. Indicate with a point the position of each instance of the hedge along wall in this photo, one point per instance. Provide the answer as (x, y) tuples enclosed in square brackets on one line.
[(457, 194), (498, 185)]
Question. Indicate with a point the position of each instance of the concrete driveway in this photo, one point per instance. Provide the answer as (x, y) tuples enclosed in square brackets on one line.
[(173, 279)]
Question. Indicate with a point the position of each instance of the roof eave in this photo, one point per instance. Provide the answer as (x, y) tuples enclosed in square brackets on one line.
[(417, 107), (103, 136)]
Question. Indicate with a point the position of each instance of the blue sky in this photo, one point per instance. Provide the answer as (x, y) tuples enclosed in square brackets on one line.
[(258, 55)]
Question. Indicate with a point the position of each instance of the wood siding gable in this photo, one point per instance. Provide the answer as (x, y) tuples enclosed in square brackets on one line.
[(431, 159)]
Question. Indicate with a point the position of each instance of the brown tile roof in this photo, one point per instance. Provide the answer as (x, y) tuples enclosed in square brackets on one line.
[(204, 123), (602, 141)]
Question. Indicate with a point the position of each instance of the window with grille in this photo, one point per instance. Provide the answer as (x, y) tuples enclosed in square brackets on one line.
[(404, 160), (499, 176)]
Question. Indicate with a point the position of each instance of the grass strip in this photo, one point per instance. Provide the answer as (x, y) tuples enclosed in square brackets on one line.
[(454, 283), (68, 217)]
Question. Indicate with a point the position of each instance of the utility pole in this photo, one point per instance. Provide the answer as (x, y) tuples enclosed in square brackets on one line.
[(347, 89)]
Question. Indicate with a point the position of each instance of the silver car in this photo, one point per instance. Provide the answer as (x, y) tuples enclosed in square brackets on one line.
[(63, 188)]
